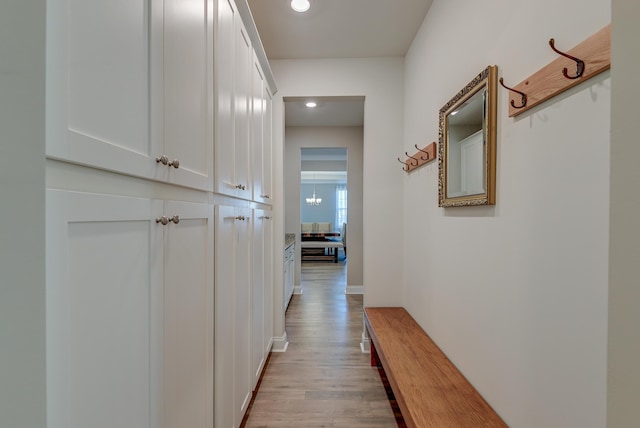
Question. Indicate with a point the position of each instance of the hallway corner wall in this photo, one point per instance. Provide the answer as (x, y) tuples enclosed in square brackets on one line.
[(380, 81)]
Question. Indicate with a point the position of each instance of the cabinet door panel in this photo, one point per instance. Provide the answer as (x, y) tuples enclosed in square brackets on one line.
[(243, 65), (257, 295), (224, 142), (225, 244), (188, 90), (262, 291), (188, 316), (99, 65), (232, 315), (123, 75), (268, 281), (257, 111), (267, 147), (242, 316), (104, 295)]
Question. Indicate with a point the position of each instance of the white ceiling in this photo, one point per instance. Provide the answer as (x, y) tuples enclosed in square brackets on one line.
[(336, 29), (345, 111)]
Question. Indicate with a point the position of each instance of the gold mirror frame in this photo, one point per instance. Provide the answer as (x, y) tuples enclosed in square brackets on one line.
[(473, 93)]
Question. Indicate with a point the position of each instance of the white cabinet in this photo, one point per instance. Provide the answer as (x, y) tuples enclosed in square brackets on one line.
[(233, 103), (267, 147), (129, 87), (232, 315), (188, 315), (260, 139), (261, 286), (129, 312), (289, 272)]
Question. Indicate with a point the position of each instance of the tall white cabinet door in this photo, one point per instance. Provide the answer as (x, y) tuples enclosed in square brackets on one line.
[(267, 147), (243, 65), (262, 291), (188, 91), (113, 89), (267, 278), (104, 310), (224, 78), (99, 65), (225, 248), (242, 316), (188, 316), (257, 296), (232, 315), (257, 112)]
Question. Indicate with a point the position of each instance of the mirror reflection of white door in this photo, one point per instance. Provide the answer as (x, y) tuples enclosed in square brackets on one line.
[(472, 162)]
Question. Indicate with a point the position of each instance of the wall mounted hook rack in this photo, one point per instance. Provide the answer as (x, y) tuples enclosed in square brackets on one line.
[(591, 57), (421, 157)]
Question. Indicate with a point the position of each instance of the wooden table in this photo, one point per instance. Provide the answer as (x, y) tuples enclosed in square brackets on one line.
[(319, 253)]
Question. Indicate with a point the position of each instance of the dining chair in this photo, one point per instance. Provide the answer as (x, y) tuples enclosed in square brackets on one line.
[(324, 227)]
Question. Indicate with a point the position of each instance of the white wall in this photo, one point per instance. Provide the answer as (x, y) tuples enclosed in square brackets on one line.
[(380, 81), (313, 137), (22, 179), (624, 294), (515, 294)]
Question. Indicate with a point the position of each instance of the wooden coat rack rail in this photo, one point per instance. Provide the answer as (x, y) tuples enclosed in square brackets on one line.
[(421, 157), (586, 60)]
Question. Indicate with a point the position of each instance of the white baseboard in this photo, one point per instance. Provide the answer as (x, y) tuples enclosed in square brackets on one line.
[(280, 344), (297, 289), (354, 289), (365, 345)]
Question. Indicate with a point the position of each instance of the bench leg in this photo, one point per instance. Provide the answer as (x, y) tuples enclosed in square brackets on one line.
[(375, 361)]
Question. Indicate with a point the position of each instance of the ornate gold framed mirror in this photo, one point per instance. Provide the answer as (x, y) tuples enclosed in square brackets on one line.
[(467, 146)]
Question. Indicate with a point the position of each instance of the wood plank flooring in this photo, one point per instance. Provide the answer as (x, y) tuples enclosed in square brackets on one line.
[(323, 380)]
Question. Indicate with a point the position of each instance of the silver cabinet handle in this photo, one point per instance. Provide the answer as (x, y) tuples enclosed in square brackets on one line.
[(164, 160), (240, 186), (265, 196), (265, 217), (164, 220)]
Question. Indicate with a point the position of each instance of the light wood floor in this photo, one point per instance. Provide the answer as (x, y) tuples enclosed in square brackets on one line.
[(323, 380)]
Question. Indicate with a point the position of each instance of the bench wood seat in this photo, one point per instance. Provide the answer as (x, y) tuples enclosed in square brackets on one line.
[(429, 389)]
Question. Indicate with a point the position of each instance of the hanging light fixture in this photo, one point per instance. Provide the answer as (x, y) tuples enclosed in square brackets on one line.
[(313, 200)]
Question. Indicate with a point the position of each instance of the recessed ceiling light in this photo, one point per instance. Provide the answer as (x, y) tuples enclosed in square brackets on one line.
[(300, 5), (311, 104)]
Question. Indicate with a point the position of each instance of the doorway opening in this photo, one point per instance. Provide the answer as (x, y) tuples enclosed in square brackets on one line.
[(323, 164), (323, 204)]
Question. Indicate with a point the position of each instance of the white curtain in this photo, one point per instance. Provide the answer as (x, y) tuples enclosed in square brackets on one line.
[(341, 206)]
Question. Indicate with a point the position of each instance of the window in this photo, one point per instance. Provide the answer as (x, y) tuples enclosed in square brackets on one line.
[(341, 206)]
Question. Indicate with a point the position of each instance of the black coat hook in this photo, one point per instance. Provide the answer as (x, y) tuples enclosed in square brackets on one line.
[(415, 159), (423, 151), (404, 163), (565, 71), (522, 94)]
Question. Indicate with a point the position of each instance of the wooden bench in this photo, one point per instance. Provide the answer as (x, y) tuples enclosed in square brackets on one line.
[(430, 391), (321, 245)]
